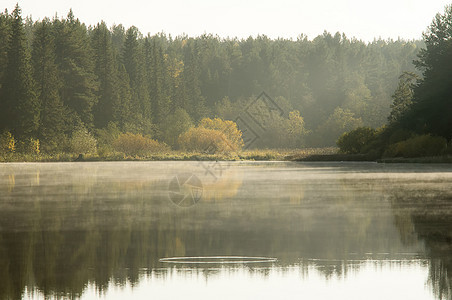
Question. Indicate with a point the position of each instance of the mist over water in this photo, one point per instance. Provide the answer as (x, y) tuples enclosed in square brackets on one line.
[(336, 230)]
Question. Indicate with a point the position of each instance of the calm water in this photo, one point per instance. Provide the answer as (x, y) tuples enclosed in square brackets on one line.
[(229, 230)]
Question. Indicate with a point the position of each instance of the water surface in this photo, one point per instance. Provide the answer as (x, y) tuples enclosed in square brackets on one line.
[(330, 230)]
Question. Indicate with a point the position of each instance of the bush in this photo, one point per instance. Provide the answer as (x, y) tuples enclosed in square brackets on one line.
[(418, 146), (228, 128), (82, 142), (400, 135), (205, 140), (7, 143), (31, 146), (137, 144), (355, 141)]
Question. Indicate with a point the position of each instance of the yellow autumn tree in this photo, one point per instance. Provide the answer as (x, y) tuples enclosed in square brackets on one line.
[(137, 144), (228, 128), (212, 136)]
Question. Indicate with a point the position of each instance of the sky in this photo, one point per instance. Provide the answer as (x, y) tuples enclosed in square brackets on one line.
[(362, 19)]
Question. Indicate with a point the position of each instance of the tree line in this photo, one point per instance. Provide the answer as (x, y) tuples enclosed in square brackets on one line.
[(59, 76)]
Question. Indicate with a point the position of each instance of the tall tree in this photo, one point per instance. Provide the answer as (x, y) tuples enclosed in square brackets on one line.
[(133, 59), (75, 63), (20, 107), (4, 41), (159, 87), (122, 112), (403, 96), (432, 104), (195, 104), (48, 84), (106, 72)]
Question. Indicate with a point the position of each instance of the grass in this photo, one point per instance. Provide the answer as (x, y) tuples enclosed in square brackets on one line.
[(305, 154), (253, 155)]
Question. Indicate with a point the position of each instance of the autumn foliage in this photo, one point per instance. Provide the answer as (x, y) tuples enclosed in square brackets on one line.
[(137, 144), (212, 136)]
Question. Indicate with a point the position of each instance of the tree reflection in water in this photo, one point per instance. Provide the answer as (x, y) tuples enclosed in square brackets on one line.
[(64, 226)]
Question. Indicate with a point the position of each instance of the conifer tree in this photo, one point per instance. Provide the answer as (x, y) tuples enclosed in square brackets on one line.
[(75, 63), (122, 112), (48, 84), (106, 72), (4, 41), (432, 103), (158, 81), (403, 96), (133, 60), (20, 107), (195, 104)]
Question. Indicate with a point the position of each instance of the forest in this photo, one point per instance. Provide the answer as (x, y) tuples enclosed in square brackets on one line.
[(72, 88)]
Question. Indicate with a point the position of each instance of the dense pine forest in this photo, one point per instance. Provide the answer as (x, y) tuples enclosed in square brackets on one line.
[(68, 87)]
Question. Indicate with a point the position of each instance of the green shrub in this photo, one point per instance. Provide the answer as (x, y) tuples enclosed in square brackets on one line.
[(82, 142), (418, 146), (31, 146), (137, 144), (400, 135), (355, 141)]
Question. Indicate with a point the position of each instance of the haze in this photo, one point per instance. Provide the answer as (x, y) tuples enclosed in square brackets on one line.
[(364, 20)]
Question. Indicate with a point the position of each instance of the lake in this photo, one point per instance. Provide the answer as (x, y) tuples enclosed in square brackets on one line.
[(225, 230)]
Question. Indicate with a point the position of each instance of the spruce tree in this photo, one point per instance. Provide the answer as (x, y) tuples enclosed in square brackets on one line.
[(48, 84), (20, 107), (432, 103), (403, 96), (158, 81), (106, 72), (122, 112), (195, 104), (74, 59), (5, 32), (133, 59), (4, 41)]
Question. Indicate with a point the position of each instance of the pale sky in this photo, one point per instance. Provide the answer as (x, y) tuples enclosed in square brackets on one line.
[(362, 19)]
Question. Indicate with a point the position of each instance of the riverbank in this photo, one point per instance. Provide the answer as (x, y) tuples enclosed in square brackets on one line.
[(370, 158), (256, 155), (329, 154)]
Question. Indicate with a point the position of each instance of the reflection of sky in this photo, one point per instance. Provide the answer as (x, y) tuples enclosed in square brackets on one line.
[(373, 280), (320, 213)]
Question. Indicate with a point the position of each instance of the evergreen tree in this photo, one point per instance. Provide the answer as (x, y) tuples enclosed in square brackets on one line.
[(122, 111), (432, 104), (195, 101), (48, 84), (106, 71), (20, 107), (118, 36), (403, 96), (133, 58), (75, 63), (158, 81), (4, 41)]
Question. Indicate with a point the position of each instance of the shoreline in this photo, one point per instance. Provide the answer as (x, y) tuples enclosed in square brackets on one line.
[(295, 155)]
